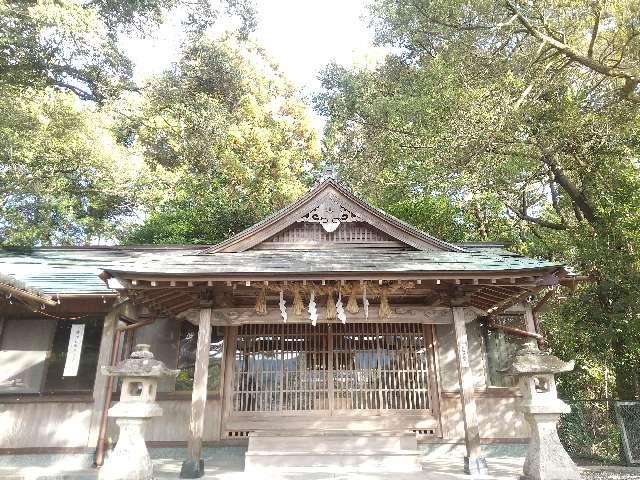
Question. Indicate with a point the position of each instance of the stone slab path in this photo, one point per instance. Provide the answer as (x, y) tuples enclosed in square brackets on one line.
[(228, 465)]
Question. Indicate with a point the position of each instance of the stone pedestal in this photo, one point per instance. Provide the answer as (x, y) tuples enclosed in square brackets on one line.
[(546, 457), (476, 466), (130, 457)]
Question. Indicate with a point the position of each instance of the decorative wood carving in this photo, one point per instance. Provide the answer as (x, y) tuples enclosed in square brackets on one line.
[(330, 214), (399, 314)]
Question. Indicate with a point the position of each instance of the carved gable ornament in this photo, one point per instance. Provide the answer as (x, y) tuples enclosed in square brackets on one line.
[(330, 214)]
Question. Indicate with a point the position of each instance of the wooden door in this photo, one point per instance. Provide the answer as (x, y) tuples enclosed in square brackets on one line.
[(357, 368)]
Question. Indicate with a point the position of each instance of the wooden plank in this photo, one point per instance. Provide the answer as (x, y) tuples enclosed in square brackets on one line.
[(199, 394), (466, 382), (434, 375), (529, 318), (400, 314), (104, 358), (228, 366)]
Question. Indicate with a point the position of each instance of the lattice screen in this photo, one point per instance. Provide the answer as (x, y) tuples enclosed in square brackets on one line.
[(298, 367), (628, 416)]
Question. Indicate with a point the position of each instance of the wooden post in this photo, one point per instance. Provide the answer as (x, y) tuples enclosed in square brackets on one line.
[(193, 466), (104, 358), (529, 318), (474, 462)]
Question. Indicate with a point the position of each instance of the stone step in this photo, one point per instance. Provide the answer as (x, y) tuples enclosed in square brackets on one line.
[(370, 461), (330, 450), (332, 441)]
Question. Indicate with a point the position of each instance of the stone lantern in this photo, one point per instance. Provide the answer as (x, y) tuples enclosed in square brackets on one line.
[(140, 374), (546, 457)]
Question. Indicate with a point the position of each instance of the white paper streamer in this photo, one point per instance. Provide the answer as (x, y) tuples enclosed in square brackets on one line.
[(342, 316), (283, 307), (365, 302), (313, 313)]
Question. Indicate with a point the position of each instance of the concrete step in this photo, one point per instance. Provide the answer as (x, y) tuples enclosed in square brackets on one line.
[(371, 461), (328, 441), (339, 450)]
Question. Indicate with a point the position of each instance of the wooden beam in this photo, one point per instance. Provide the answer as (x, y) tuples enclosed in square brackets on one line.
[(400, 313), (193, 466), (474, 463)]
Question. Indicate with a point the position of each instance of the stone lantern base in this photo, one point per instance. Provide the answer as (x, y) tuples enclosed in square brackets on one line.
[(130, 459), (546, 457)]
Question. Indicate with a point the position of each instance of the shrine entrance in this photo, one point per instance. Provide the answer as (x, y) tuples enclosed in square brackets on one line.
[(331, 369)]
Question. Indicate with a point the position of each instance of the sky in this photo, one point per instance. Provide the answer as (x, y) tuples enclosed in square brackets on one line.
[(302, 36)]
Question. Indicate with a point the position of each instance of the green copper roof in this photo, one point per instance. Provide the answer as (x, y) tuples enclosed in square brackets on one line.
[(66, 270), (76, 270)]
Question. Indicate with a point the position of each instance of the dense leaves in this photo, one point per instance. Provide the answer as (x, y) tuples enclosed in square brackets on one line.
[(525, 115), (63, 178), (75, 44), (235, 134)]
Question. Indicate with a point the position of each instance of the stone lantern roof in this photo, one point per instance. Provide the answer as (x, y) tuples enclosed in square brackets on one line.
[(141, 364), (530, 360)]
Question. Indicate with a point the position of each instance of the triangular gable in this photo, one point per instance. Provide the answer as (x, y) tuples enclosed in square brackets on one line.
[(331, 205)]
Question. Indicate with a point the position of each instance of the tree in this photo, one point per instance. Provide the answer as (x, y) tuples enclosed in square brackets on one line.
[(63, 178), (74, 45), (531, 107), (234, 133)]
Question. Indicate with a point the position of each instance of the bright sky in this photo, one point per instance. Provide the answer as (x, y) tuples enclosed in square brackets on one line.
[(302, 36)]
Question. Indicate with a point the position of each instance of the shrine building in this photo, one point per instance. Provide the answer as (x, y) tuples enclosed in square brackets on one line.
[(329, 331)]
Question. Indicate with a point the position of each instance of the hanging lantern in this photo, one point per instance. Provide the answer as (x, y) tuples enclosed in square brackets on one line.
[(365, 302), (298, 305), (352, 303), (283, 307), (313, 313), (261, 302), (340, 309), (384, 311), (330, 310)]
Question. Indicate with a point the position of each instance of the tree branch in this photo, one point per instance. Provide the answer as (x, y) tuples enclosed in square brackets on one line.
[(631, 81), (594, 31), (578, 198), (538, 221)]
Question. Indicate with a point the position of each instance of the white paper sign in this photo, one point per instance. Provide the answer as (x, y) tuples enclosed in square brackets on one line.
[(73, 351), (464, 354)]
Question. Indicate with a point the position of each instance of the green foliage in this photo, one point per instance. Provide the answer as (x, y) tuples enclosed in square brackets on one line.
[(75, 45), (590, 432), (235, 135), (519, 114), (63, 179), (206, 218), (436, 215)]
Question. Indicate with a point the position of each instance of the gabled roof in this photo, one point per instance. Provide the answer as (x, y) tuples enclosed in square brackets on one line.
[(312, 200)]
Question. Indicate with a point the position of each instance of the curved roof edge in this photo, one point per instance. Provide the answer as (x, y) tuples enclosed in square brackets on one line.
[(20, 290)]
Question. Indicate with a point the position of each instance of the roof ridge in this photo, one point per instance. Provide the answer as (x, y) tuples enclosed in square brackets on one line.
[(342, 189)]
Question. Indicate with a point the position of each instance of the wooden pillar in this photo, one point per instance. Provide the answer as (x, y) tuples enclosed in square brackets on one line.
[(104, 358), (193, 466), (474, 462), (529, 318)]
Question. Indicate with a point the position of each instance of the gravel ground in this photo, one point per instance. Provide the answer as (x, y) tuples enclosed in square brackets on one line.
[(612, 473)]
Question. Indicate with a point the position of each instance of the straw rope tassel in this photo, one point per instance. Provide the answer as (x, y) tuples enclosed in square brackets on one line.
[(384, 311), (298, 304), (330, 311), (352, 303), (261, 302)]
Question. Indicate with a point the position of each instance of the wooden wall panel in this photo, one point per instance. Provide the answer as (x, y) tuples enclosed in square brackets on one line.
[(44, 424)]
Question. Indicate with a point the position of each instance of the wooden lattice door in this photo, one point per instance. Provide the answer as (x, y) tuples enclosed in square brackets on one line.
[(330, 368)]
